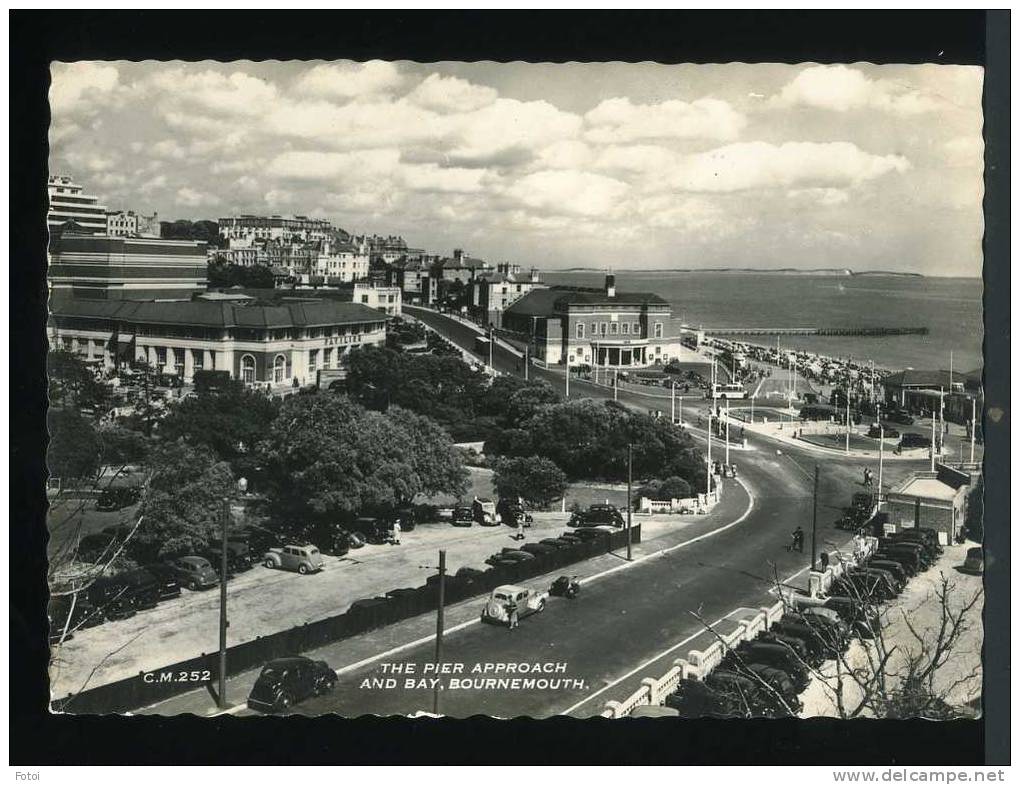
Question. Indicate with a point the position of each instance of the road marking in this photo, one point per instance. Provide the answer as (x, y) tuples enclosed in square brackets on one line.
[(659, 656)]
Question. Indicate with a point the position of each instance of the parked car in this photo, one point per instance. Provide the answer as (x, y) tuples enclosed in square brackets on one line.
[(695, 699), (741, 696), (111, 599), (811, 638), (528, 601), (290, 680), (194, 572), (484, 511), (900, 418), (894, 569), (81, 612), (924, 534), (516, 554), (143, 588), (112, 499), (463, 515), (538, 548), (792, 643), (777, 656), (576, 519), (862, 617), (924, 557), (590, 533), (406, 517), (557, 543), (512, 511), (912, 441), (373, 530), (783, 687), (974, 564), (304, 559), (166, 580), (603, 515), (908, 560)]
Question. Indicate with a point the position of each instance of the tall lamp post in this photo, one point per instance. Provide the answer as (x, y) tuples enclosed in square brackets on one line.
[(242, 487), (708, 476), (439, 625), (630, 481)]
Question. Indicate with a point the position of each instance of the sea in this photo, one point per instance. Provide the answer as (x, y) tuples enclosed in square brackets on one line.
[(951, 309)]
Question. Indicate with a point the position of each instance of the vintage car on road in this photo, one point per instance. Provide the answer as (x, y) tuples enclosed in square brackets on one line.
[(484, 511), (169, 586), (512, 512), (597, 515), (299, 558), (194, 572), (528, 601), (289, 680), (462, 515)]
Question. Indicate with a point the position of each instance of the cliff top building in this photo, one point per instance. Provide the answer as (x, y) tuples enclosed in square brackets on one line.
[(70, 203)]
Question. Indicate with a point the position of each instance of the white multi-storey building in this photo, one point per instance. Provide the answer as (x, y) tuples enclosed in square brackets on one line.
[(275, 227), (342, 262), (127, 223), (69, 202)]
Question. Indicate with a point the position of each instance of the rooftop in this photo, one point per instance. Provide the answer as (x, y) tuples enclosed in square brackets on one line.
[(224, 314), (921, 378), (544, 302)]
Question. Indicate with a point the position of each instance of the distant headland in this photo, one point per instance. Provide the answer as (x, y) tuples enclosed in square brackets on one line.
[(843, 272)]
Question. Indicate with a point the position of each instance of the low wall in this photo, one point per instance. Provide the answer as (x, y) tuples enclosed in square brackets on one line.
[(363, 615), (749, 623)]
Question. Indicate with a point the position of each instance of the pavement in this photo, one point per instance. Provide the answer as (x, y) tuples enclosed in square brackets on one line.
[(631, 617), (919, 607)]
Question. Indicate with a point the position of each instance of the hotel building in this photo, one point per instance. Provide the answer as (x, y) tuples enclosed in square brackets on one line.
[(600, 327)]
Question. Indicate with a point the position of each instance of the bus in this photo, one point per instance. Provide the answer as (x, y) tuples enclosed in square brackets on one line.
[(732, 391)]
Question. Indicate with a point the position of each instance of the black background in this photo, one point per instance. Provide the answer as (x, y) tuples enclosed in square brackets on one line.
[(37, 38)]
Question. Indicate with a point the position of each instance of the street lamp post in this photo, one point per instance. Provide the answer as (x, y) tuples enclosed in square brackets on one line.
[(814, 521), (708, 475), (881, 461), (439, 625), (672, 403), (848, 420), (630, 481), (680, 410), (242, 486), (727, 431), (568, 375)]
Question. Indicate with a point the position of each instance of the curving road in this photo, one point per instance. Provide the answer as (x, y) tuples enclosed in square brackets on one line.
[(628, 624)]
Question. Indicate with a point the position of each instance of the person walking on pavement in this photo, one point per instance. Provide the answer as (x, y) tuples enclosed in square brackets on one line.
[(798, 539), (396, 532), (520, 528), (512, 615)]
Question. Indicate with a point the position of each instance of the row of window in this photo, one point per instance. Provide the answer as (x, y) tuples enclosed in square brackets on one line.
[(615, 328)]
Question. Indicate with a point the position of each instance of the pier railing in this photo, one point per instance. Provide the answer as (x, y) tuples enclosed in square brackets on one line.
[(828, 331)]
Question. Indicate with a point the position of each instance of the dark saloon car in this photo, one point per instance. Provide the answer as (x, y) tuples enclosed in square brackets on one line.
[(290, 680), (463, 515), (900, 418), (194, 572), (111, 599), (603, 515), (166, 580), (512, 512), (142, 588)]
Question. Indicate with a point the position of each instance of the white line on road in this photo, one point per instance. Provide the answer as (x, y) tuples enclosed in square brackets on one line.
[(659, 656)]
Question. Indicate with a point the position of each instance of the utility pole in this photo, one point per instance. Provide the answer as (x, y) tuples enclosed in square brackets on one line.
[(708, 481), (814, 521), (630, 481), (881, 460), (568, 376), (222, 695), (848, 420), (727, 431), (680, 410), (973, 426), (439, 626), (933, 440), (672, 403), (616, 383), (527, 360)]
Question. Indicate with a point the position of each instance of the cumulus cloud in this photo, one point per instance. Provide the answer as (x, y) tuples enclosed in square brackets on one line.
[(80, 86), (451, 94), (618, 120), (965, 151), (349, 80), (210, 91), (568, 191), (747, 165), (841, 88), (189, 197), (317, 165)]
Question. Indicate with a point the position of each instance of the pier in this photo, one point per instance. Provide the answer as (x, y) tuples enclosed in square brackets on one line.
[(855, 331)]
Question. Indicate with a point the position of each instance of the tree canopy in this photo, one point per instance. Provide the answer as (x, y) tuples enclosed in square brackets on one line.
[(75, 450), (226, 274), (72, 382), (326, 456), (538, 481), (229, 421), (183, 507)]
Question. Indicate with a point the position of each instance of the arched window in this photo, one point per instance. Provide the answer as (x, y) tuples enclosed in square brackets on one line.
[(279, 369), (248, 369)]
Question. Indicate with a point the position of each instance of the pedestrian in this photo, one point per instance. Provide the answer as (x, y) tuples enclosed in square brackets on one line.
[(798, 539), (513, 617), (396, 532), (733, 470), (824, 559), (520, 528)]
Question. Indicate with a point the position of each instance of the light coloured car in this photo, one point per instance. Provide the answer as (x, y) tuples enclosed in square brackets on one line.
[(526, 600), (299, 558)]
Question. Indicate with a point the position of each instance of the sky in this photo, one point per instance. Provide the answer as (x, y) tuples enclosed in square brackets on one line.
[(606, 165)]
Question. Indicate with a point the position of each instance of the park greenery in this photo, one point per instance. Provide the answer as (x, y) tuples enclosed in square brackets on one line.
[(224, 274), (538, 481)]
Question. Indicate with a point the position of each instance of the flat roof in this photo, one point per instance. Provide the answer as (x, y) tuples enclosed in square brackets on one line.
[(222, 314)]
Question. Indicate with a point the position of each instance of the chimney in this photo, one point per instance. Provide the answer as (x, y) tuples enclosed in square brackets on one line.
[(610, 285), (458, 254)]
